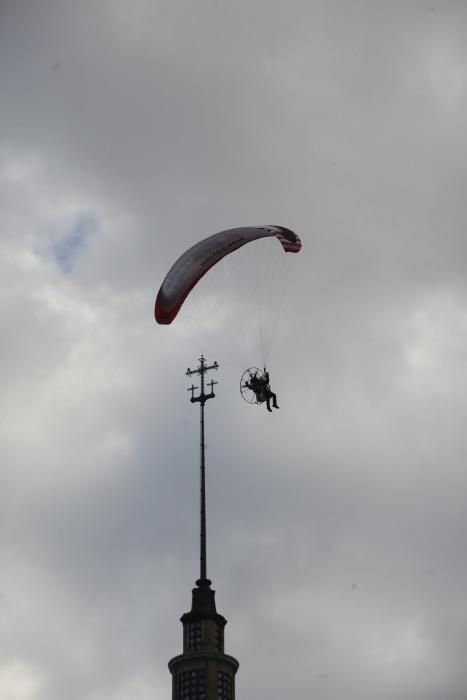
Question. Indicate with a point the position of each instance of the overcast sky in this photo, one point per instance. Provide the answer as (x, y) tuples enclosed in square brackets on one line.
[(337, 525)]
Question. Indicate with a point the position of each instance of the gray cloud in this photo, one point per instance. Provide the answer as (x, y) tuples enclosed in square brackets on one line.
[(336, 526)]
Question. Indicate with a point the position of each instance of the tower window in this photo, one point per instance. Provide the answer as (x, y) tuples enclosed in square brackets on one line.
[(217, 639), (195, 636), (192, 685), (224, 686)]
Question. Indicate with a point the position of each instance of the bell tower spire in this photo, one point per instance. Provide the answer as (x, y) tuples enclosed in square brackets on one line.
[(203, 671)]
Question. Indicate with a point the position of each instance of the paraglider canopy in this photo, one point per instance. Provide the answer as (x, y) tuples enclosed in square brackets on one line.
[(195, 262)]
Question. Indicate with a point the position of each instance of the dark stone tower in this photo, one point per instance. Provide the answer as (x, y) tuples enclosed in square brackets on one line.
[(203, 671)]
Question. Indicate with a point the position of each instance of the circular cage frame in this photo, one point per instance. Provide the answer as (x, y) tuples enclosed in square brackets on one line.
[(248, 394)]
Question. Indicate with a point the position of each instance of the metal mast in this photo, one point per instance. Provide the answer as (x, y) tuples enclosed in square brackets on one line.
[(203, 670), (201, 399)]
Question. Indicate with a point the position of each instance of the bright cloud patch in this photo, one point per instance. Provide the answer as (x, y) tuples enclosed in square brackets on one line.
[(18, 682)]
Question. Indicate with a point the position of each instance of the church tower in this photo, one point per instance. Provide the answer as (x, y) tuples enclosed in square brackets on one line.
[(203, 671)]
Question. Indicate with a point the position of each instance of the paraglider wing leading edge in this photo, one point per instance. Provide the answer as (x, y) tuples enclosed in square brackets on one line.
[(193, 264)]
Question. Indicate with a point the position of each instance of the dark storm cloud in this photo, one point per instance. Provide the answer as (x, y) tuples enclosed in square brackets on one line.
[(336, 526)]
